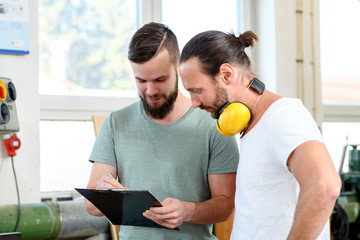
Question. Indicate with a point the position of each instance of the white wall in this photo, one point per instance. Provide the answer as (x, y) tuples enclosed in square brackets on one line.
[(23, 70)]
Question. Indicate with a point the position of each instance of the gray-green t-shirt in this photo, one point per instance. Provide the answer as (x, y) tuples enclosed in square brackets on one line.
[(170, 160)]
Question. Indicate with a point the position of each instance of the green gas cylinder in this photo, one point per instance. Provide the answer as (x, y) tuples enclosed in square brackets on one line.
[(37, 221)]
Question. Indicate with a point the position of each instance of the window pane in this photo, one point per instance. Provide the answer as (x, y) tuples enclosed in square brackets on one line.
[(83, 46), (340, 50), (65, 148), (186, 20), (187, 17), (337, 135)]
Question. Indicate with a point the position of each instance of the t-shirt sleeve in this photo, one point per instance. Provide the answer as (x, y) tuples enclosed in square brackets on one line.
[(290, 126), (224, 156), (103, 150)]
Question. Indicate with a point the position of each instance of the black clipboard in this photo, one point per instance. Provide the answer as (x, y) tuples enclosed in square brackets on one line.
[(123, 207)]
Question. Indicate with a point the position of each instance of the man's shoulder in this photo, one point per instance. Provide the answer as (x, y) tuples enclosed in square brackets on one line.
[(127, 114), (127, 110), (204, 122), (203, 115)]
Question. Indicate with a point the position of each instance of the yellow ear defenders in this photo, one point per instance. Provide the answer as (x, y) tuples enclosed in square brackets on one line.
[(235, 117)]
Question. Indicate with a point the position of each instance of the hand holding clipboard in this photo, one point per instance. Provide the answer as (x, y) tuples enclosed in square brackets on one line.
[(123, 207)]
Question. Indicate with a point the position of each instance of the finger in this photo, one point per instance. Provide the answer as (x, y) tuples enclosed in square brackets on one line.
[(160, 210), (108, 182), (167, 216), (163, 222), (101, 183), (109, 185), (154, 216), (168, 206), (167, 201), (115, 183)]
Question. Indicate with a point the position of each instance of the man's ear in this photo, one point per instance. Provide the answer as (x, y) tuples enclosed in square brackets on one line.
[(226, 72)]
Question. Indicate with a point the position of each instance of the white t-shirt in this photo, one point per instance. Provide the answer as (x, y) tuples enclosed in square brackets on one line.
[(266, 191)]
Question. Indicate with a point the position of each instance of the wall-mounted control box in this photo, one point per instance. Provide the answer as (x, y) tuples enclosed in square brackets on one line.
[(9, 122)]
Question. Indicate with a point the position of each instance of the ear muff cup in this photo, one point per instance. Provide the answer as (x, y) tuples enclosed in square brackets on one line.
[(233, 119)]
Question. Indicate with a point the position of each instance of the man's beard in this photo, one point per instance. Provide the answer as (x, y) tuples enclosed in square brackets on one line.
[(160, 112), (219, 102)]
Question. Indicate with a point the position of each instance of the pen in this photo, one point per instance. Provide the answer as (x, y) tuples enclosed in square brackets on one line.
[(117, 189)]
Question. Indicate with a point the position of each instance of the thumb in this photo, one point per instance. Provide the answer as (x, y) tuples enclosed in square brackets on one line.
[(167, 201)]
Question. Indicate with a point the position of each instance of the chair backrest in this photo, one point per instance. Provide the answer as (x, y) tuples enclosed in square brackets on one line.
[(97, 121), (223, 230)]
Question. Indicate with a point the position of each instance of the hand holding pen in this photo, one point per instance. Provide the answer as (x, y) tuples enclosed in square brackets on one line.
[(109, 181)]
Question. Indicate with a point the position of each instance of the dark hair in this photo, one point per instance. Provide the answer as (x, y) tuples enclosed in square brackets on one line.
[(213, 48), (149, 40)]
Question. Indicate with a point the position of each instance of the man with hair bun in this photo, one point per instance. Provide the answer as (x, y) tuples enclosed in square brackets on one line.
[(286, 183)]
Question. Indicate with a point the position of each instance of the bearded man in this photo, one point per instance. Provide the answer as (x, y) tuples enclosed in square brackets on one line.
[(163, 145)]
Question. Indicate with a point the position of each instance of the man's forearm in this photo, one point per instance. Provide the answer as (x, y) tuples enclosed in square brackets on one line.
[(215, 210), (312, 212), (91, 209), (320, 186)]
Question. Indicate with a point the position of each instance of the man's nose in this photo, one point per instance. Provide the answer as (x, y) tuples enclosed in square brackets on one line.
[(151, 89), (195, 103)]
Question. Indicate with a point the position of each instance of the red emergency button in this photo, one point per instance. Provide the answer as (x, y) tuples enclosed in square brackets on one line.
[(2, 92)]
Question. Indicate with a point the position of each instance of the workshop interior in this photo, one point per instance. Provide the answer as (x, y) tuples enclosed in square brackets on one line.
[(63, 65)]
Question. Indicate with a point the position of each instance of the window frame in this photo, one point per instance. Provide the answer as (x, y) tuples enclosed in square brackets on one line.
[(339, 111), (349, 112)]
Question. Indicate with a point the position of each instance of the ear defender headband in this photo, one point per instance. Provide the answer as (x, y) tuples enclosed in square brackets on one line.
[(235, 117)]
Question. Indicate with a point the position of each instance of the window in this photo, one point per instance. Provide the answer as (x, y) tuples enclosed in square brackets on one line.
[(337, 135), (339, 45), (83, 70), (83, 46), (64, 149), (187, 18), (340, 74)]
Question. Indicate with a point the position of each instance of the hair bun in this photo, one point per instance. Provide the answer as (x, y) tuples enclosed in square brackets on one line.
[(241, 41), (247, 39)]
